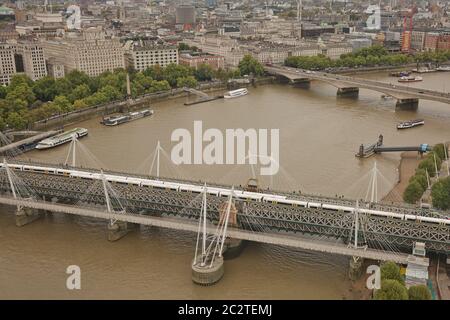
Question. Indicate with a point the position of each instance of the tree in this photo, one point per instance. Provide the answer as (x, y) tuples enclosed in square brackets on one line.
[(174, 71), (62, 103), (419, 292), (23, 92), (204, 72), (440, 193), (413, 192), (79, 104), (249, 65), (15, 121), (428, 165), (391, 271), (440, 151), (76, 78), (81, 91), (421, 179), (45, 89), (391, 290), (188, 81), (3, 92)]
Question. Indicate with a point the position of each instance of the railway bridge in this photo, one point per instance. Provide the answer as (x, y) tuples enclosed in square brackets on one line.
[(407, 97), (372, 230)]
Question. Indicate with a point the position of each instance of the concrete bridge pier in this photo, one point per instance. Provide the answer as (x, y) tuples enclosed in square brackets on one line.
[(407, 104), (117, 230), (356, 268), (233, 248), (208, 274), (348, 92), (25, 216)]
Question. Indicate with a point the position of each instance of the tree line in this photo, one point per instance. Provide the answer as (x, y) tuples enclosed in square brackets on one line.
[(366, 57), (418, 184), (24, 101)]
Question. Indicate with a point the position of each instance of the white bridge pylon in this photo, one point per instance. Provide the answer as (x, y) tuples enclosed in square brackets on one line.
[(108, 192), (213, 249)]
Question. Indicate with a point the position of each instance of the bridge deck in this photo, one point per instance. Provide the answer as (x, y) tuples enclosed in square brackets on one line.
[(341, 81), (187, 225)]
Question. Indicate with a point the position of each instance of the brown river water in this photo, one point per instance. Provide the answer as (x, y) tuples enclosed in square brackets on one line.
[(319, 135)]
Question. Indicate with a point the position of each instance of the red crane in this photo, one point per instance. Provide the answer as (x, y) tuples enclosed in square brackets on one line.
[(407, 28)]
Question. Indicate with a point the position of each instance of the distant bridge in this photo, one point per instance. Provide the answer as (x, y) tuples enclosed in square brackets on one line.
[(407, 97)]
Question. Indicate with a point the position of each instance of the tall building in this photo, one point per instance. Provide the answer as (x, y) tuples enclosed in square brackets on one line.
[(142, 55), (185, 15), (91, 52), (33, 60), (7, 63)]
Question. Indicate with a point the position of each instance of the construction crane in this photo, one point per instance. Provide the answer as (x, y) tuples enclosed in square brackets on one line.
[(407, 27)]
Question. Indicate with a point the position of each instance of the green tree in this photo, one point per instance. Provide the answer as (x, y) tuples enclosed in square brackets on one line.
[(16, 121), (76, 78), (111, 93), (413, 192), (188, 81), (62, 103), (428, 165), (390, 271), (174, 71), (439, 149), (391, 290), (79, 104), (81, 91), (249, 65), (45, 89), (421, 179), (419, 292), (23, 92), (204, 72), (440, 193), (2, 124), (3, 92)]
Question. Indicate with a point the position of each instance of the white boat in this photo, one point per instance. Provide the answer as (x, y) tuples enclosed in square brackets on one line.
[(443, 68), (236, 93), (410, 124), (62, 138), (410, 79)]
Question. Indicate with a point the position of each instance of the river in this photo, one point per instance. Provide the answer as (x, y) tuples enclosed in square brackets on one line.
[(319, 135)]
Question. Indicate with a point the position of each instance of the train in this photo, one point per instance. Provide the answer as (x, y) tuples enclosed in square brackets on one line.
[(220, 192)]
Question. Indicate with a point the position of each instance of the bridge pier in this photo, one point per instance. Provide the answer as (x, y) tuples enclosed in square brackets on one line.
[(407, 104), (208, 274), (25, 216), (117, 230), (233, 248), (348, 92), (356, 268)]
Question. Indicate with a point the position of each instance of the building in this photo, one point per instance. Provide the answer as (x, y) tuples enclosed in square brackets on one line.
[(142, 55), (443, 42), (185, 15), (431, 41), (32, 59), (55, 69), (91, 52), (7, 63), (418, 40), (194, 59), (311, 31)]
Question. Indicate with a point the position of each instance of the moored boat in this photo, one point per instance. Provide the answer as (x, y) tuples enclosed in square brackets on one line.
[(236, 93), (62, 138), (119, 119), (410, 124)]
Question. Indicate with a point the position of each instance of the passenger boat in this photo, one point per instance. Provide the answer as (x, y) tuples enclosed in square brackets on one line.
[(410, 79), (119, 119), (410, 124), (236, 93), (62, 138), (443, 68)]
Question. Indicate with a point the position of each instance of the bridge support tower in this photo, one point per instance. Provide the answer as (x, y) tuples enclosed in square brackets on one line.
[(117, 230), (348, 92), (356, 268), (407, 104), (25, 216)]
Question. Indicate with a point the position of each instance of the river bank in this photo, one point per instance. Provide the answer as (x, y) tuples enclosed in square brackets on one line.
[(406, 169)]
